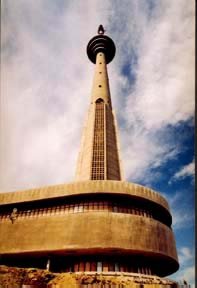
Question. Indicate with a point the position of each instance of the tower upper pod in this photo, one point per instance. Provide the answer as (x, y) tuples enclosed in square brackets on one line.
[(101, 43)]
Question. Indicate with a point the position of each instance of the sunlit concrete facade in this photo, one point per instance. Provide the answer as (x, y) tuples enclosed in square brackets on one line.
[(99, 157), (99, 223)]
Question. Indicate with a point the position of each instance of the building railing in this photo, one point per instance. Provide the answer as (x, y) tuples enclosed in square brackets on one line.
[(82, 207)]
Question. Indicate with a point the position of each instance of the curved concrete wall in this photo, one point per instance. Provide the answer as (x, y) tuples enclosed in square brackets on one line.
[(88, 231), (84, 187)]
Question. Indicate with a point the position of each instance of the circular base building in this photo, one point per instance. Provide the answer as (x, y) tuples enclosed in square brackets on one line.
[(100, 226)]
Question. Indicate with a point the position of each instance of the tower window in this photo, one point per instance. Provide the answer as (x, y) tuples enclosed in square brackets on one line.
[(100, 72), (117, 267), (100, 86), (100, 63), (98, 142), (99, 266), (99, 100)]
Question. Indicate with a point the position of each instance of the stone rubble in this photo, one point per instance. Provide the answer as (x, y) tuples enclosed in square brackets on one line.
[(12, 277)]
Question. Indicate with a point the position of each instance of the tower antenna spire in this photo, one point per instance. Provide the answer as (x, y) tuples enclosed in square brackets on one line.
[(101, 30)]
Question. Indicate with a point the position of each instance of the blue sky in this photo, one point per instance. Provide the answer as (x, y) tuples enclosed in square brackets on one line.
[(45, 91)]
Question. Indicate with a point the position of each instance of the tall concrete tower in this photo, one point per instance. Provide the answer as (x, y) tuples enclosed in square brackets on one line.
[(99, 157), (99, 223)]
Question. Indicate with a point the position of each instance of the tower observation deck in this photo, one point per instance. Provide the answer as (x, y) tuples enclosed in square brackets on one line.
[(98, 223)]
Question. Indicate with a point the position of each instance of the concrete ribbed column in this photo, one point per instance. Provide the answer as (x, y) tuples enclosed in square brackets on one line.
[(86, 161), (100, 88)]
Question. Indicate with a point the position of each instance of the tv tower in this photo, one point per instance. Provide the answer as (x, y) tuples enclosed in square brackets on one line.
[(98, 223)]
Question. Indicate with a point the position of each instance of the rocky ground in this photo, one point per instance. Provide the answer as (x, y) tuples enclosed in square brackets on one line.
[(12, 277)]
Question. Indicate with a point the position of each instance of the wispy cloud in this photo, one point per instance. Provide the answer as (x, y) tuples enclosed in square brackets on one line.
[(185, 255), (46, 83), (159, 95), (187, 269), (182, 219), (44, 91), (182, 216), (187, 170), (156, 56), (187, 274)]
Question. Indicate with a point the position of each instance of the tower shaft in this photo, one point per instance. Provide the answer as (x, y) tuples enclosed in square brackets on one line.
[(99, 154)]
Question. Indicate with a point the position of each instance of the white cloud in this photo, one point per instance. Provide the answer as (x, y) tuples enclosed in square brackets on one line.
[(186, 270), (185, 255), (46, 83), (44, 90), (187, 274), (160, 96), (143, 151), (187, 170), (182, 217)]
